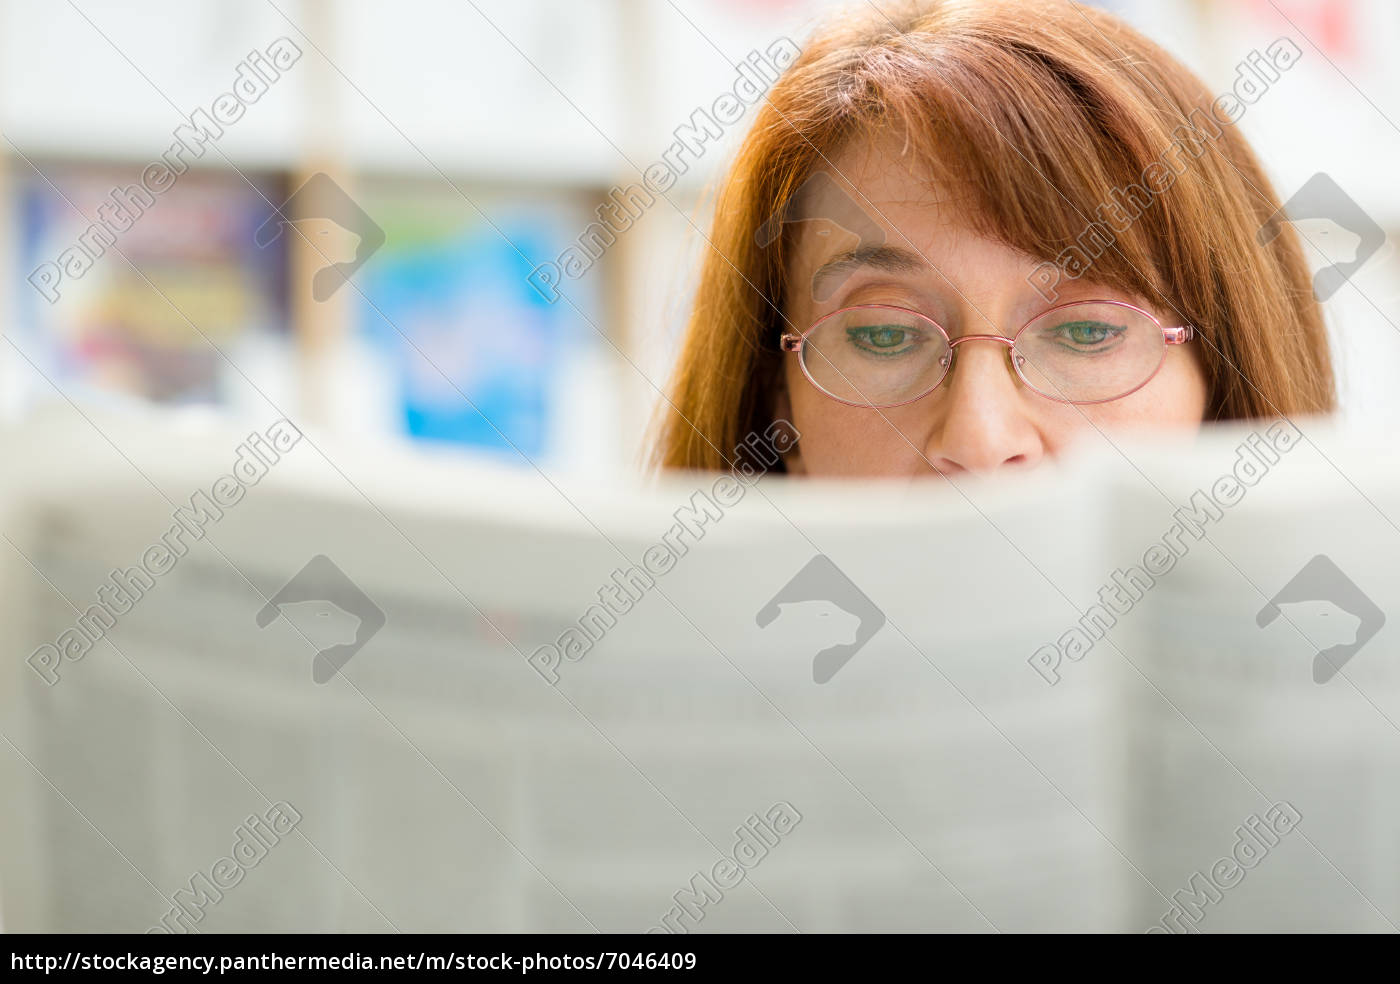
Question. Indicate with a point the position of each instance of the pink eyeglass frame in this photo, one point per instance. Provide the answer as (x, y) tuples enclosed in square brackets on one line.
[(1171, 336)]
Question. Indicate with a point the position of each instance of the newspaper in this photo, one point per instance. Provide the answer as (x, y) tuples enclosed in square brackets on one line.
[(259, 681)]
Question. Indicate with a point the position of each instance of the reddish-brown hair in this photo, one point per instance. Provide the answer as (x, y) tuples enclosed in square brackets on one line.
[(1035, 112)]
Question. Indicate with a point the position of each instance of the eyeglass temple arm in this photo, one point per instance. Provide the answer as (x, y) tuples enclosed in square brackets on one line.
[(791, 343), (1176, 336)]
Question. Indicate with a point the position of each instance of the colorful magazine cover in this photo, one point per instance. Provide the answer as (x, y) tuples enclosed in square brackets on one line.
[(477, 355), (140, 295)]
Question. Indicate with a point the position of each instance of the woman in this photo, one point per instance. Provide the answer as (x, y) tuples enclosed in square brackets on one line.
[(925, 186)]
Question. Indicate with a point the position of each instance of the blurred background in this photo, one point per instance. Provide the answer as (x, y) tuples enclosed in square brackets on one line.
[(444, 150), (482, 137)]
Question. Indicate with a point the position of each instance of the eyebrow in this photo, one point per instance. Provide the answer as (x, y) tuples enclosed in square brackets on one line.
[(890, 259)]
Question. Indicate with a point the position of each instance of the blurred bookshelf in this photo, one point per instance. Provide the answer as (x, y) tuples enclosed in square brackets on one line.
[(481, 138)]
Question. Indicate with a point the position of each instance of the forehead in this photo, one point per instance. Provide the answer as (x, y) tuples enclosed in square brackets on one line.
[(873, 193), (872, 176), (875, 213)]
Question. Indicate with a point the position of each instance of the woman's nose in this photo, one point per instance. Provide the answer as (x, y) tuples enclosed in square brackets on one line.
[(983, 415)]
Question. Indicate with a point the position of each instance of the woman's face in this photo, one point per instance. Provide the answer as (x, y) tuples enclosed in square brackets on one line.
[(982, 418)]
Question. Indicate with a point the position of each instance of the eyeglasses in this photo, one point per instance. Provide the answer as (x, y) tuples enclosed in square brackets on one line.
[(878, 356)]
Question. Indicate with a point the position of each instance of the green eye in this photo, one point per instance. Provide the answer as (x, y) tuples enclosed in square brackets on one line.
[(883, 340), (1087, 334)]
